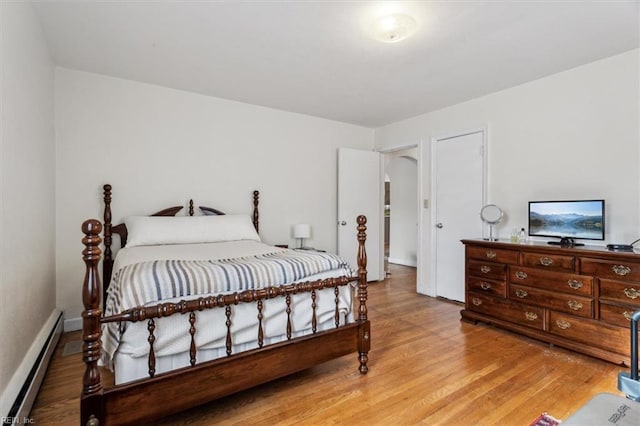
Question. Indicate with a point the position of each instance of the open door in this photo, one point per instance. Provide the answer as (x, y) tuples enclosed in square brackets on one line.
[(360, 192)]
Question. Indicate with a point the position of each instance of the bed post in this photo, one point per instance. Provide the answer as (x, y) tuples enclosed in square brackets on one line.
[(364, 337), (256, 221), (107, 263), (91, 405)]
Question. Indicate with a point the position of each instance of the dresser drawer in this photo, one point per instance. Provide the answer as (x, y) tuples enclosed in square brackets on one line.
[(620, 291), (591, 332), (580, 285), (616, 314), (496, 288), (488, 270), (499, 308), (575, 305), (493, 255), (618, 270), (551, 262)]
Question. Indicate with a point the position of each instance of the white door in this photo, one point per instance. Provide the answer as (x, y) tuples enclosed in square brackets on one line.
[(359, 192), (458, 197)]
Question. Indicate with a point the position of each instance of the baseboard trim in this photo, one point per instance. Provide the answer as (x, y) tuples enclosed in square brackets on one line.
[(73, 324), (404, 262), (23, 387)]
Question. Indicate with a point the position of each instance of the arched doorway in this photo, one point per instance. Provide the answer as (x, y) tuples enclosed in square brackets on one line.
[(401, 208)]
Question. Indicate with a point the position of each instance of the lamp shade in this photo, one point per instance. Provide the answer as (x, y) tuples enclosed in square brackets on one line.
[(302, 230)]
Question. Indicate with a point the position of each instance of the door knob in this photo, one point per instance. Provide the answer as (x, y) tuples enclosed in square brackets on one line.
[(439, 225), (342, 223)]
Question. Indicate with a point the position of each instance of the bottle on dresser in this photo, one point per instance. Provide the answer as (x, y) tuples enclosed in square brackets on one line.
[(522, 236)]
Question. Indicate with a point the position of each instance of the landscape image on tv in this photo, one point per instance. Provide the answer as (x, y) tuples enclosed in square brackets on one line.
[(575, 219)]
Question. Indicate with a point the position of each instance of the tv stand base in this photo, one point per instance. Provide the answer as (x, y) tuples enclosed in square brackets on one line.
[(559, 243)]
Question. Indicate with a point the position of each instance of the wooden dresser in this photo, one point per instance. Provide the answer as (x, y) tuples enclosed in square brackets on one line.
[(580, 298)]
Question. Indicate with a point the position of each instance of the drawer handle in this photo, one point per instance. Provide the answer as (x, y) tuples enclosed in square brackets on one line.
[(631, 293), (485, 285), (491, 254), (521, 275), (546, 261), (485, 269), (563, 324), (521, 293), (575, 305), (531, 316), (627, 315), (621, 270), (575, 284), (476, 301)]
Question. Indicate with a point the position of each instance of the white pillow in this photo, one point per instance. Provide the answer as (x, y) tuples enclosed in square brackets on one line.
[(155, 230)]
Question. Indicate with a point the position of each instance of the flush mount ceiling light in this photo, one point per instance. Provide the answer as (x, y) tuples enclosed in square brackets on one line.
[(393, 28)]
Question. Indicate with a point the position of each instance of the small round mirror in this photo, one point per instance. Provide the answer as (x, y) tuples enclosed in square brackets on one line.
[(492, 215)]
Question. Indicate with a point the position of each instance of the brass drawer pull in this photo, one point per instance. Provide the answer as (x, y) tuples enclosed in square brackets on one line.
[(491, 254), (575, 284), (521, 275), (521, 293), (575, 305), (621, 270), (563, 324), (546, 261), (531, 316), (485, 285), (476, 301), (627, 315), (485, 269), (631, 293)]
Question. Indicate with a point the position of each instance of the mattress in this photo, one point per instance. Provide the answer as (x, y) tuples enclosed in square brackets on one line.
[(171, 347)]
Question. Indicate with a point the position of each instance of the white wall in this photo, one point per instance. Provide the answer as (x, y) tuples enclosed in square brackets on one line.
[(571, 135), (27, 204), (159, 147)]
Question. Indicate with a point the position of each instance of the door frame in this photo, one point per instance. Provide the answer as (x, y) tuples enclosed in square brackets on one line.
[(431, 287)]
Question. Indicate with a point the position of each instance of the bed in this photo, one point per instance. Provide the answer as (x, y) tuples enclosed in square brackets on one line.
[(196, 307)]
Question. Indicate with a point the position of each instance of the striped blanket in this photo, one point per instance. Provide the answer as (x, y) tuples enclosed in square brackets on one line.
[(154, 281)]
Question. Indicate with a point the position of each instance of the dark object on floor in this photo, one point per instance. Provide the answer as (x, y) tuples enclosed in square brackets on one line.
[(545, 419)]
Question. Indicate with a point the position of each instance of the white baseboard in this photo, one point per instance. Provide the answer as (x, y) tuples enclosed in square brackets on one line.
[(404, 262), (73, 324), (15, 402)]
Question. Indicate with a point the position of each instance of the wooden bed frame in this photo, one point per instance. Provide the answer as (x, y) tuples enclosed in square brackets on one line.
[(144, 400)]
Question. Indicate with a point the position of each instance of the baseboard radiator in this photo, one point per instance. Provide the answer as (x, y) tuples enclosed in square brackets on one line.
[(29, 390)]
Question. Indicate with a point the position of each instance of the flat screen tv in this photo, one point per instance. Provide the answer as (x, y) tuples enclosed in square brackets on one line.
[(576, 219)]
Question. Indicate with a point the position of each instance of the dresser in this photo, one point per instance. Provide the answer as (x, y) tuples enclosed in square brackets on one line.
[(579, 298)]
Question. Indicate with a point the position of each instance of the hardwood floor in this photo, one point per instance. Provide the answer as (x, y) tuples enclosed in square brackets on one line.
[(426, 367)]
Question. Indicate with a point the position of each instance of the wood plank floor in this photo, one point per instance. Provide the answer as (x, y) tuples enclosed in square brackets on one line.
[(426, 367)]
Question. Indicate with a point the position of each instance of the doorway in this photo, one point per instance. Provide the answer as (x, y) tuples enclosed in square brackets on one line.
[(401, 208)]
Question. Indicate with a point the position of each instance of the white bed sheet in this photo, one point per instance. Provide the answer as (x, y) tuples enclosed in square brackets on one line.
[(172, 333)]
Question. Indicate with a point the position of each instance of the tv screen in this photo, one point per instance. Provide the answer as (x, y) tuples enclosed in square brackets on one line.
[(579, 219)]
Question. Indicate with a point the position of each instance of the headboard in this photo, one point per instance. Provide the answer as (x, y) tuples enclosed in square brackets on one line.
[(121, 229)]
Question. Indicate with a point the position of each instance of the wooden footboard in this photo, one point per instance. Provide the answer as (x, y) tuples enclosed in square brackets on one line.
[(144, 400)]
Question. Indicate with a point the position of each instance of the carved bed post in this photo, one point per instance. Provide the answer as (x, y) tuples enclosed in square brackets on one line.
[(107, 263), (91, 406), (256, 221), (364, 339)]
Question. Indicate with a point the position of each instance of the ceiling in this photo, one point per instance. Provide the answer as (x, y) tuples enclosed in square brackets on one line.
[(317, 57)]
